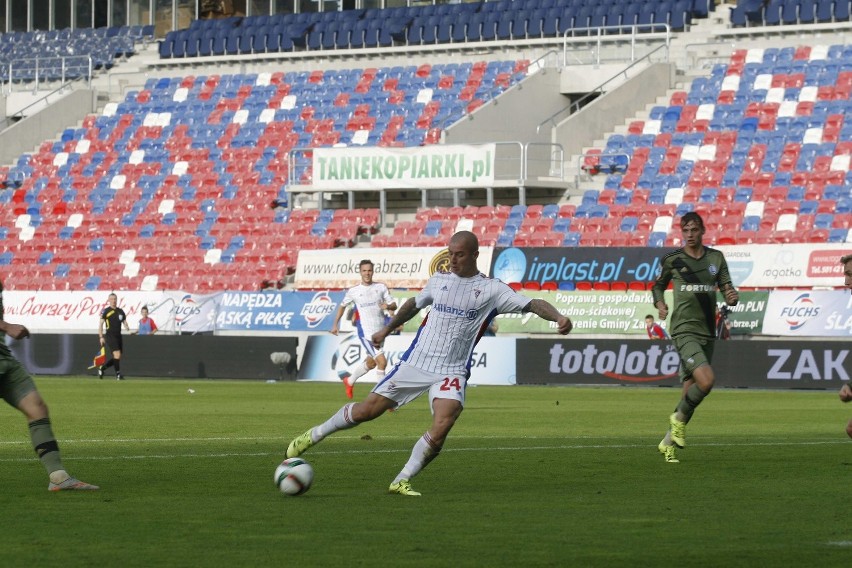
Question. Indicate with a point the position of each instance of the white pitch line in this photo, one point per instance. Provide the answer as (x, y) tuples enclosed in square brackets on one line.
[(407, 450), (24, 441)]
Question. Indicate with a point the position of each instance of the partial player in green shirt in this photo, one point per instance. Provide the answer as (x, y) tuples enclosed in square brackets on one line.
[(18, 389), (695, 272)]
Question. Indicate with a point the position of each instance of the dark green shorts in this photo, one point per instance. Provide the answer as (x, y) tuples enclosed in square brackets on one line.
[(694, 352), (15, 381)]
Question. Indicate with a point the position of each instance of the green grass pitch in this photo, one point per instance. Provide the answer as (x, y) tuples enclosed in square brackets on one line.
[(531, 476)]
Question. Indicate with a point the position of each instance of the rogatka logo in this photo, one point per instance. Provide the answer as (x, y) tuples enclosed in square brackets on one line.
[(800, 311), (511, 265)]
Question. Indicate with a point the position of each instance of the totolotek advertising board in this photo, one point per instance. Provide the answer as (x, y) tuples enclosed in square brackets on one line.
[(762, 364)]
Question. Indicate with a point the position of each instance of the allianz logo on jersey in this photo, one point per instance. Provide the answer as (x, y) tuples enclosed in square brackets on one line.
[(469, 314), (697, 287)]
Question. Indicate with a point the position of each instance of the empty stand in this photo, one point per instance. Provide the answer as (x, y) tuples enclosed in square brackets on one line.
[(171, 187)]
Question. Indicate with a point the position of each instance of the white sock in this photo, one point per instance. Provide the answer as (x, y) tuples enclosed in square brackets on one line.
[(58, 476), (358, 372), (341, 420), (422, 453)]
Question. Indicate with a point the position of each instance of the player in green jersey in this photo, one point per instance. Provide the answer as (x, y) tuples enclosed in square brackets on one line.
[(846, 391), (695, 271), (18, 389)]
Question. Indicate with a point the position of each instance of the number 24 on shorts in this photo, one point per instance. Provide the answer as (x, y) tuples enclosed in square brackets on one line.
[(450, 384)]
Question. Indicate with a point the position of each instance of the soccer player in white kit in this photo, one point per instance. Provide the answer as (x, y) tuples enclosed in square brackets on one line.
[(463, 302), (371, 299)]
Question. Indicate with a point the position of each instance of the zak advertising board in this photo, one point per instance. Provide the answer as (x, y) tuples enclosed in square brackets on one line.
[(809, 313), (396, 267), (564, 264), (330, 358), (789, 265), (377, 168)]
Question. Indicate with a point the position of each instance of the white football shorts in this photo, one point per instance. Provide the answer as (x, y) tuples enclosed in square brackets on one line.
[(404, 383)]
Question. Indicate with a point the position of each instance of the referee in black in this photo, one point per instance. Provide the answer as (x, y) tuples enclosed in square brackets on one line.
[(109, 331)]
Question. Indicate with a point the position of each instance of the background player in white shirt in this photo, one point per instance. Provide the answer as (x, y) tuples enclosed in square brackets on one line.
[(371, 299), (463, 302)]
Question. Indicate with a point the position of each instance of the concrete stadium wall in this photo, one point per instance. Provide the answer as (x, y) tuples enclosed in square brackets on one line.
[(27, 134), (609, 110), (515, 114)]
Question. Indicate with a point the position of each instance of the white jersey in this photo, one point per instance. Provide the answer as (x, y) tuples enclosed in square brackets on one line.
[(368, 299), (461, 310)]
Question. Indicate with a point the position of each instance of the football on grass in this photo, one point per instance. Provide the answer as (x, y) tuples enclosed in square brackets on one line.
[(294, 476)]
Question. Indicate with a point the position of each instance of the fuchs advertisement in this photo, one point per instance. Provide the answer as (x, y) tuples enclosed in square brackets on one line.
[(809, 313), (762, 364)]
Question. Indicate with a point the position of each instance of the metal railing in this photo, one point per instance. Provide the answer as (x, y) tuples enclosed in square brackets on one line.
[(594, 93), (635, 34), (34, 70), (21, 113)]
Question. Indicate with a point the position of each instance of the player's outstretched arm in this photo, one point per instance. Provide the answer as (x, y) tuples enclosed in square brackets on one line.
[(407, 311), (545, 310), (14, 330)]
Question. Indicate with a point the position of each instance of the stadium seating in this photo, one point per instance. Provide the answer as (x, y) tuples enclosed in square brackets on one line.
[(767, 129), (171, 187), (65, 53), (501, 20)]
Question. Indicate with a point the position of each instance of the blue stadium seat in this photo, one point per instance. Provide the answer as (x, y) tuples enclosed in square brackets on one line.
[(837, 235), (571, 239)]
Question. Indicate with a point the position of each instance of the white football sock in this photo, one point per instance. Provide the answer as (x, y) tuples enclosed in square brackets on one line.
[(342, 420), (358, 372), (422, 453)]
